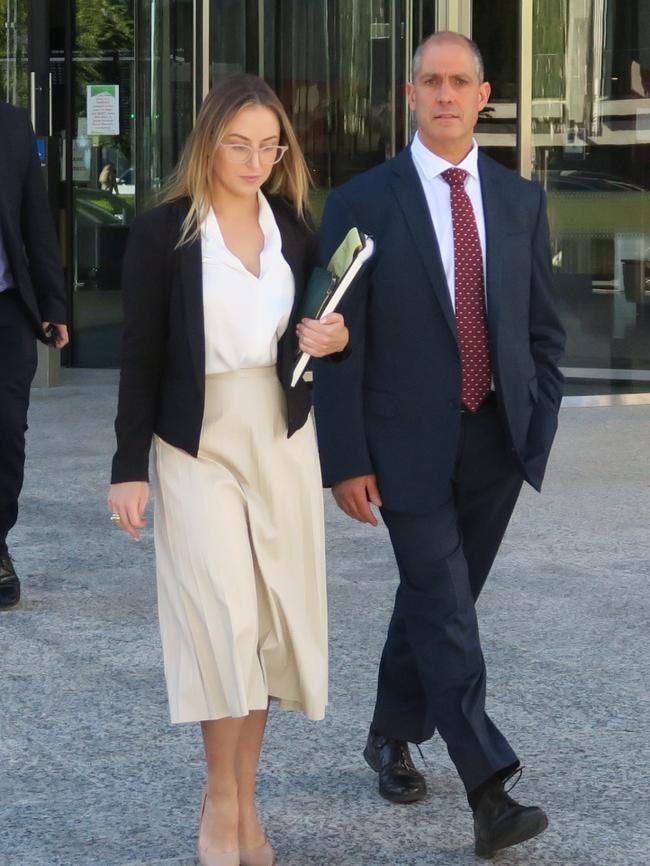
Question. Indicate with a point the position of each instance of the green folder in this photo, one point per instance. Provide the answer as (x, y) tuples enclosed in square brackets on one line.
[(318, 291), (327, 286), (323, 281), (345, 253)]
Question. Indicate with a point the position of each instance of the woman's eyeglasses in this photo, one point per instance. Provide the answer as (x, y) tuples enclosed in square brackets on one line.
[(242, 153)]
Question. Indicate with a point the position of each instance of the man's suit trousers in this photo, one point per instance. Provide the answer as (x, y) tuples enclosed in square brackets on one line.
[(432, 673), (18, 359)]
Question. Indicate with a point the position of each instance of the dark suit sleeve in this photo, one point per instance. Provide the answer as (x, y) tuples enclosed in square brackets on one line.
[(39, 238), (338, 394), (547, 339), (145, 280)]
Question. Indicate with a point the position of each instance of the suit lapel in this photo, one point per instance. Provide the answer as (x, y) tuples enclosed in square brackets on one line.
[(412, 200), (6, 224), (293, 250), (293, 247), (496, 221), (191, 272)]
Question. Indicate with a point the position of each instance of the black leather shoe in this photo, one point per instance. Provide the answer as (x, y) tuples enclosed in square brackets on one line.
[(399, 781), (499, 821), (9, 583)]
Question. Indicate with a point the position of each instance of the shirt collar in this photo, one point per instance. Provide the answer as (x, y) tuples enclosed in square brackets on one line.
[(266, 218), (431, 165), (212, 230)]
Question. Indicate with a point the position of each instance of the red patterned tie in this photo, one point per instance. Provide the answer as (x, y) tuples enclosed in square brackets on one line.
[(471, 319)]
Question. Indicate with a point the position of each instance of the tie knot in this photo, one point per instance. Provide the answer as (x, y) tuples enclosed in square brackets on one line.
[(455, 177)]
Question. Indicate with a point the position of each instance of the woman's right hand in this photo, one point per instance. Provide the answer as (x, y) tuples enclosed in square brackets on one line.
[(129, 500)]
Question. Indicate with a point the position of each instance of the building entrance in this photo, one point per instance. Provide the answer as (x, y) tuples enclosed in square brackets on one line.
[(570, 108)]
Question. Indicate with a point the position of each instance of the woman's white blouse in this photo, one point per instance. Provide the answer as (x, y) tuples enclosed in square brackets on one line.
[(244, 315)]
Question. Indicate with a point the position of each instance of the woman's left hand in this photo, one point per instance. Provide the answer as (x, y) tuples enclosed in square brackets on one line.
[(320, 337)]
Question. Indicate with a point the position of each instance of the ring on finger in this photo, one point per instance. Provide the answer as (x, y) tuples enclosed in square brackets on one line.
[(115, 517)]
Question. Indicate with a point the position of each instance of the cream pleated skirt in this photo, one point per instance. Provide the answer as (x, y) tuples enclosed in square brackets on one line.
[(240, 558)]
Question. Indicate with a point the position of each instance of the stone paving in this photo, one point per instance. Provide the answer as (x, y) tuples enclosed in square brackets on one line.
[(92, 774)]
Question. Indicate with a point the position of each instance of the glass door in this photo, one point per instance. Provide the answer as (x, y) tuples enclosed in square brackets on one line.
[(103, 170), (167, 88), (93, 115)]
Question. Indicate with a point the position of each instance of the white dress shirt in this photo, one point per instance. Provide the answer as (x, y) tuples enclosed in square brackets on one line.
[(438, 194), (244, 315)]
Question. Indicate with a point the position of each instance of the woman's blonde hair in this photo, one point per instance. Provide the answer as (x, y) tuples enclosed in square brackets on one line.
[(193, 176)]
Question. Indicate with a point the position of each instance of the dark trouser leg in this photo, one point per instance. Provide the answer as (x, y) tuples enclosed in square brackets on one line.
[(487, 487), (17, 368), (482, 498), (435, 602), (399, 685)]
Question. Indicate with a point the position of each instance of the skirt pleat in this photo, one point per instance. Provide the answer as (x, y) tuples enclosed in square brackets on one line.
[(240, 558)]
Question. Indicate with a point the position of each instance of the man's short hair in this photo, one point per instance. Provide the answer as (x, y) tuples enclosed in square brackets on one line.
[(449, 36)]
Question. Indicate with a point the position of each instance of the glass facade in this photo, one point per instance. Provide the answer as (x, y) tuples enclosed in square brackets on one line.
[(166, 92), (14, 52), (591, 152), (102, 172), (570, 107)]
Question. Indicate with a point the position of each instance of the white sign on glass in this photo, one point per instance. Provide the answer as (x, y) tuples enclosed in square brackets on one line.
[(103, 109)]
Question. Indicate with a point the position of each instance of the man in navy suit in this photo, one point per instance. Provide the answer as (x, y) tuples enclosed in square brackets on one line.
[(32, 306), (448, 401)]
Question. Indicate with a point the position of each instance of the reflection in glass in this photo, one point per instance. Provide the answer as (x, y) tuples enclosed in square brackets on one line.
[(591, 137), (494, 29), (424, 21), (234, 37), (165, 92), (14, 57), (338, 67)]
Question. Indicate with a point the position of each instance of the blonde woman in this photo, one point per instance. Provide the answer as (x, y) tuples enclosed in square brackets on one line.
[(212, 280)]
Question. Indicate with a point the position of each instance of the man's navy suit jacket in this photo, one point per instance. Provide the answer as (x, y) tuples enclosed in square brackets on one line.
[(28, 233), (392, 408)]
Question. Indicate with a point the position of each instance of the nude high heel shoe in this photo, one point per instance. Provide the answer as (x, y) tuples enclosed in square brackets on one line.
[(214, 858), (262, 856)]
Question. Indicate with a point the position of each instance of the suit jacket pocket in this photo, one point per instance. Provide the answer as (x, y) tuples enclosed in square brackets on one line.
[(380, 403)]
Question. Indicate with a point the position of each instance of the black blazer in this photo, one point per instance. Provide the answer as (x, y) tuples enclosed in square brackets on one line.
[(162, 381), (26, 223), (393, 408)]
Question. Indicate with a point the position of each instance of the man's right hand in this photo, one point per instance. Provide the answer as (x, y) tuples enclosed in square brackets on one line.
[(354, 496)]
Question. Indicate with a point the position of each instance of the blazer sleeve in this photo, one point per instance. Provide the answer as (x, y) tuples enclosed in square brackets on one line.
[(39, 237), (547, 341), (338, 388), (145, 290)]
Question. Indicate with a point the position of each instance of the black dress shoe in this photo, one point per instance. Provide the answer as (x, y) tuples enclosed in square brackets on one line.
[(499, 821), (399, 781), (9, 583)]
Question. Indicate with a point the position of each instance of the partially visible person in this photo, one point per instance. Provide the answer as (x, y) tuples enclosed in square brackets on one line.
[(108, 179), (212, 284), (32, 306)]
